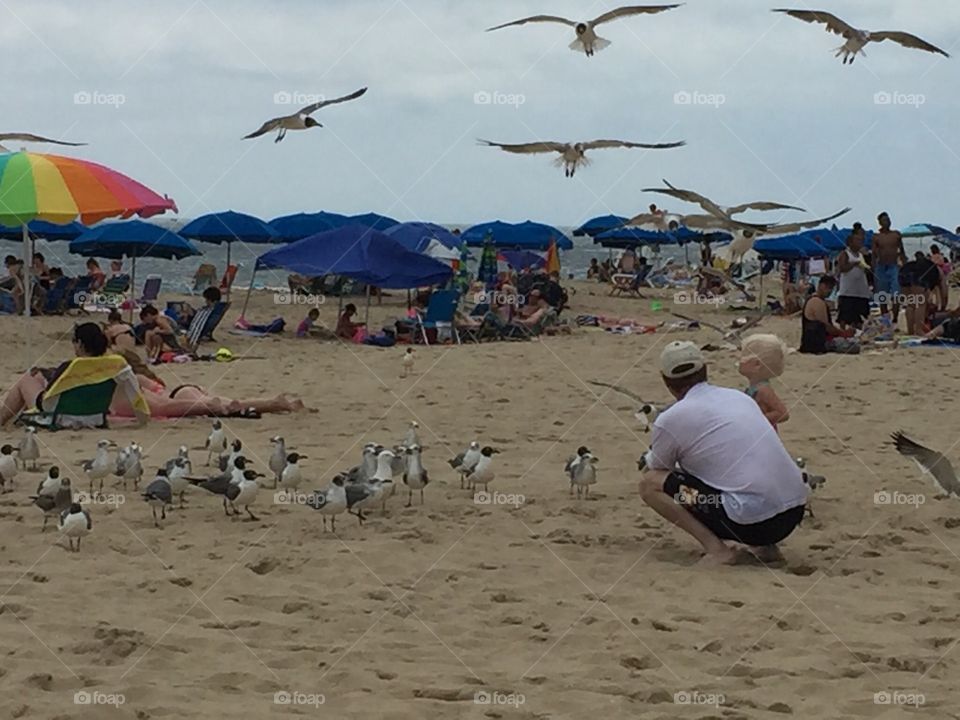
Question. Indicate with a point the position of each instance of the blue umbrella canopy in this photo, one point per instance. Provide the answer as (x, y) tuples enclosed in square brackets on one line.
[(524, 236), (417, 235), (229, 227), (821, 242), (133, 239), (929, 230), (597, 225), (45, 230), (630, 236), (360, 253), (519, 259), (291, 228), (373, 220)]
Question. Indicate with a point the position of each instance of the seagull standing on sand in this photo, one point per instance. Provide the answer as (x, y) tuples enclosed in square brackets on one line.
[(574, 155), (183, 454), (383, 477), (216, 441), (159, 494), (483, 472), (584, 474), (29, 449), (101, 466), (368, 464), (278, 459), (76, 524), (129, 466), (177, 475), (406, 364), (53, 495), (415, 477), (243, 493), (930, 463), (856, 39), (465, 462), (587, 40), (300, 120), (30, 137), (411, 437), (8, 468), (572, 463), (226, 461), (330, 502), (291, 477), (218, 484)]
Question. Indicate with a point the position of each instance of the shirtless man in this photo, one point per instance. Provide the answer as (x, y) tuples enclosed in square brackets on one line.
[(888, 254)]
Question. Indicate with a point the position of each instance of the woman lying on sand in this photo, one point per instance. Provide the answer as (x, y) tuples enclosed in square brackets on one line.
[(184, 401)]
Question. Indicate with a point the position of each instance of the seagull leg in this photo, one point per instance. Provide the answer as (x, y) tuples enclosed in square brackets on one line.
[(333, 523), (409, 498), (45, 519), (78, 544), (421, 496), (252, 516), (181, 497), (153, 511), (225, 511)]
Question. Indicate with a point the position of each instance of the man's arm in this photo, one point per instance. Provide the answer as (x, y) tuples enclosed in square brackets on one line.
[(820, 314), (900, 248), (844, 263), (664, 452)]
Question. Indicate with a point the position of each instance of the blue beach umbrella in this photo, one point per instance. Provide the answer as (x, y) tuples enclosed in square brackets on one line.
[(46, 230), (291, 228), (229, 227), (519, 236), (597, 225), (374, 221), (417, 235)]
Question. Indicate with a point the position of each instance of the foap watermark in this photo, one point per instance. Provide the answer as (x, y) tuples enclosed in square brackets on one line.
[(497, 297), (899, 697), (95, 97), (695, 697), (292, 298), (294, 497), (86, 697), (85, 498), (901, 299), (493, 697), (695, 97), (693, 298), (288, 697), (495, 97), (899, 99), (300, 99), (98, 299), (690, 497), (898, 498), (497, 498)]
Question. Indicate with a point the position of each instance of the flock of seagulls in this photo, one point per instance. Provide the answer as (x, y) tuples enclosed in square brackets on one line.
[(366, 487)]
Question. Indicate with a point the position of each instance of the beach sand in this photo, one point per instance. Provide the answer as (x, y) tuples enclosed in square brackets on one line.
[(547, 608)]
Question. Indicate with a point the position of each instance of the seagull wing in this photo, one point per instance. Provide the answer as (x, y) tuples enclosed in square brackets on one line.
[(903, 38), (761, 206), (528, 148), (797, 227), (833, 23), (930, 460), (691, 197), (621, 390), (310, 109), (536, 18), (30, 137), (264, 129), (632, 10), (603, 144)]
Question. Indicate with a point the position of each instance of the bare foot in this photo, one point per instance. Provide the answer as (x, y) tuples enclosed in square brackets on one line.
[(768, 554), (726, 556)]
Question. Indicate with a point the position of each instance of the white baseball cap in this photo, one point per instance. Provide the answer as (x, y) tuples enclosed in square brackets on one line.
[(680, 359)]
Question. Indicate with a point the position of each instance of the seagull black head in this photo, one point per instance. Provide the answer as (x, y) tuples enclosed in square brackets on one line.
[(54, 472), (239, 462), (488, 451), (310, 122), (338, 480), (583, 450), (75, 508), (7, 450), (294, 458), (581, 28)]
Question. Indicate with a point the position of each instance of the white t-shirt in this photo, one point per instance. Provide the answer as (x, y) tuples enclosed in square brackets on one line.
[(721, 437)]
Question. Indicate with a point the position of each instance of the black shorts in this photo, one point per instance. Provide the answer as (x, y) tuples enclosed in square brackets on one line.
[(852, 310), (704, 503)]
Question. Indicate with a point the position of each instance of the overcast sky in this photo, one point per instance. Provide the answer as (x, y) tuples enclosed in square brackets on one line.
[(163, 91)]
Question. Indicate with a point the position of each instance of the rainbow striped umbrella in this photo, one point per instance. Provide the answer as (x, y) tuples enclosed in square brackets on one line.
[(35, 186)]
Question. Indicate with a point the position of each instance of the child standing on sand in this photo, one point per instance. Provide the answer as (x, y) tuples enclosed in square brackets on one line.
[(306, 325), (763, 359)]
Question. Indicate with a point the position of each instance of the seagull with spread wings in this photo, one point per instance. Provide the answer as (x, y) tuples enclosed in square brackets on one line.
[(588, 41), (301, 119), (856, 39), (30, 137), (930, 463), (574, 155)]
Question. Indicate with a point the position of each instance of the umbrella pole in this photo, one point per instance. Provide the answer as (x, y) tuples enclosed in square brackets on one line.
[(133, 288), (227, 275), (366, 318), (27, 287), (246, 300)]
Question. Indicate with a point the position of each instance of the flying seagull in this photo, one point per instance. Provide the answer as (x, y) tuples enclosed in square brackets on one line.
[(301, 119), (587, 40), (573, 155), (930, 462), (733, 335), (857, 39), (30, 137), (715, 209)]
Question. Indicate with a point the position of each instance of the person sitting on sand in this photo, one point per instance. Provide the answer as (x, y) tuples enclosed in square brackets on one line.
[(13, 283), (119, 334), (306, 325), (818, 334), (762, 359), (713, 468), (593, 272), (97, 276), (160, 336), (347, 329), (606, 271), (183, 401)]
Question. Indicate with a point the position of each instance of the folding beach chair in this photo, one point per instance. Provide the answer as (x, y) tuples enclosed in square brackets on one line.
[(8, 303), (117, 285), (624, 283), (441, 312), (58, 296), (473, 333), (226, 282), (151, 290), (81, 396), (213, 320), (206, 276)]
